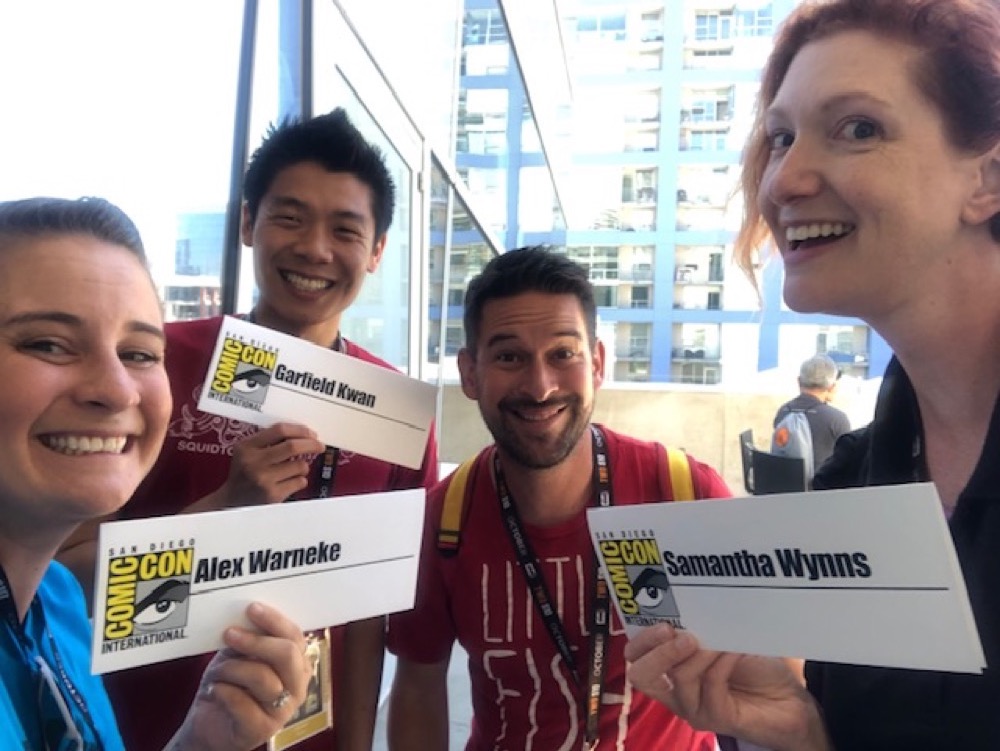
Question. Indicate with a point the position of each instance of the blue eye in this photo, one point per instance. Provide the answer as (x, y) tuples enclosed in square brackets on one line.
[(780, 140), (860, 130)]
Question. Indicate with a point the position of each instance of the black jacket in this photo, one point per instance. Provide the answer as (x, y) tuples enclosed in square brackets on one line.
[(888, 708)]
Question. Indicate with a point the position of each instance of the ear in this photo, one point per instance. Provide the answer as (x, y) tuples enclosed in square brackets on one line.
[(598, 364), (984, 202), (377, 251), (246, 226), (467, 373)]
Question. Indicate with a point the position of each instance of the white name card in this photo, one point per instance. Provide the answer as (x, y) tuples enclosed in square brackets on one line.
[(168, 586), (866, 576), (262, 376)]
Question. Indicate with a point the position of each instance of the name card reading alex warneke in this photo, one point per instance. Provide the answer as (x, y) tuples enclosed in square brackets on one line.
[(262, 376), (866, 576), (168, 586)]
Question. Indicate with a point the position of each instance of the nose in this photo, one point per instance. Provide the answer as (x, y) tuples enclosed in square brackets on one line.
[(540, 380), (793, 175), (315, 243), (107, 382)]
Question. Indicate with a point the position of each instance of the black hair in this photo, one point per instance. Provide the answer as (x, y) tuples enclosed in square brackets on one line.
[(331, 141), (531, 269)]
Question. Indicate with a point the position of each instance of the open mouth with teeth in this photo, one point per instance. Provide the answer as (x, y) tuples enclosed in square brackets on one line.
[(535, 412), (538, 414), (77, 445), (806, 236), (305, 283)]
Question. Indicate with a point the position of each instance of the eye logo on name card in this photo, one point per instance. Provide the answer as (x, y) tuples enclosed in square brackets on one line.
[(147, 598), (243, 373), (636, 575)]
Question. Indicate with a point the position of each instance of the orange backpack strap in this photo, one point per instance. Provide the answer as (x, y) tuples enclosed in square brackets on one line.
[(449, 535), (676, 480)]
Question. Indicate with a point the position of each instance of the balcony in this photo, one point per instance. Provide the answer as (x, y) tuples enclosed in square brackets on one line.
[(684, 276), (641, 353), (636, 275), (694, 353), (639, 195)]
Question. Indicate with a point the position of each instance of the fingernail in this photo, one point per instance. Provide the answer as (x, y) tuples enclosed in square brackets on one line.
[(255, 608), (666, 680)]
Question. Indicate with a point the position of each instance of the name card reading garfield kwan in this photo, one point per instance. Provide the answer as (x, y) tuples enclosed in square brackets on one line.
[(167, 587), (262, 376), (819, 575)]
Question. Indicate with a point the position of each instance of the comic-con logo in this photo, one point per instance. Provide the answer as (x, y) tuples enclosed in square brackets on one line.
[(243, 373), (147, 598), (636, 574)]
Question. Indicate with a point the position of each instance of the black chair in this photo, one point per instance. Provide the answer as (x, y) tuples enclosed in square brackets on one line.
[(764, 472), (746, 454)]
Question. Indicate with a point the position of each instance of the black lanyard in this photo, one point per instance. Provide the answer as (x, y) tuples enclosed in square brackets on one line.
[(528, 561), (331, 457), (326, 471), (9, 612)]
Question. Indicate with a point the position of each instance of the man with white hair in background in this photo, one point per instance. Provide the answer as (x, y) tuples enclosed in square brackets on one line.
[(818, 378)]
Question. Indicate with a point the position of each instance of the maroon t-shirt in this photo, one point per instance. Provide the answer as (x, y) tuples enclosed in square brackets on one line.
[(152, 701)]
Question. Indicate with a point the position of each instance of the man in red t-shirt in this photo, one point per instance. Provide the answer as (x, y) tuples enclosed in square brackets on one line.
[(318, 201), (519, 591)]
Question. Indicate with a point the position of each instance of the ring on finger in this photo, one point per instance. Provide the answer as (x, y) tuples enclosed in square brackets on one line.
[(282, 699)]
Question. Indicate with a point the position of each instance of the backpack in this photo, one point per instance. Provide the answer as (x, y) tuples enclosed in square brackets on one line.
[(673, 474), (793, 437)]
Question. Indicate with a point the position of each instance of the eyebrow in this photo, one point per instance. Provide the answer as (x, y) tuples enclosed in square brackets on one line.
[(502, 337), (68, 319), (835, 101)]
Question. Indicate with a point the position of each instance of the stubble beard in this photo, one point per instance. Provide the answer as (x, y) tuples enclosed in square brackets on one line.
[(538, 453)]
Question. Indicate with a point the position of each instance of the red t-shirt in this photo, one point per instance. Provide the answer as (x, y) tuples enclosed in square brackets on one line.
[(152, 701), (523, 695)]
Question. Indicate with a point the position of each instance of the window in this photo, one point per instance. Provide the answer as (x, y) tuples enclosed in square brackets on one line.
[(706, 140), (482, 121), (642, 106), (601, 261), (642, 140), (641, 297), (652, 26), (638, 342), (755, 23), (713, 26), (708, 106), (715, 267), (605, 296), (608, 26), (639, 186), (484, 27)]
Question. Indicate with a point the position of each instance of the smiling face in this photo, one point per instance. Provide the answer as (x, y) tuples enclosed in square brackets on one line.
[(314, 242), (534, 375), (863, 191), (85, 399)]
